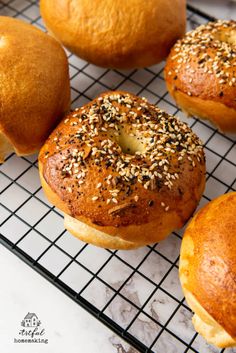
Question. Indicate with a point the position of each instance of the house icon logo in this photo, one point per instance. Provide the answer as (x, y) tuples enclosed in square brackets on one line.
[(30, 320), (31, 330)]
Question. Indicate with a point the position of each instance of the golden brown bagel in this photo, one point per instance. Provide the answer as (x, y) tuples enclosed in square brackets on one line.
[(201, 73), (116, 33), (124, 172), (208, 270), (34, 86)]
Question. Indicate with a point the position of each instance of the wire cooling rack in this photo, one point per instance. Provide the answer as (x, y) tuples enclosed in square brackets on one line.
[(135, 293)]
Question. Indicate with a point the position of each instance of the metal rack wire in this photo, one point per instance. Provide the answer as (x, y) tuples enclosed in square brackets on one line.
[(135, 289)]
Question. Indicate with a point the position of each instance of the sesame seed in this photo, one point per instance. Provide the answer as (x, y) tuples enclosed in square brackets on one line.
[(94, 198)]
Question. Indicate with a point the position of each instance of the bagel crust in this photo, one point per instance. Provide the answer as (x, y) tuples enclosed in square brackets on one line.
[(201, 73), (125, 168), (34, 86), (208, 270), (116, 34)]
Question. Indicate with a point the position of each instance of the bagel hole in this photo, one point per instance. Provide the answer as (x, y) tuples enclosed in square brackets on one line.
[(130, 144)]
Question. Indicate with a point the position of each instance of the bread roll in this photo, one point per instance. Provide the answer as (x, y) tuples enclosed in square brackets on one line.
[(125, 173), (208, 270), (116, 33), (201, 73), (34, 86)]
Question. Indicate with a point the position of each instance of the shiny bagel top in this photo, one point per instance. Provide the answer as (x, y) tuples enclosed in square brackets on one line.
[(120, 160)]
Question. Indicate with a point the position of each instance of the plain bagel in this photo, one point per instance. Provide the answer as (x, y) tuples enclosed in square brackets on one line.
[(201, 73), (124, 172), (208, 270), (34, 86), (116, 33)]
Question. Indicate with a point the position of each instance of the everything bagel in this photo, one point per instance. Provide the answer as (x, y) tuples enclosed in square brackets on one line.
[(201, 73), (124, 172)]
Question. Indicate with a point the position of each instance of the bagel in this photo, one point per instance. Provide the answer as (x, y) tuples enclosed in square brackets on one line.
[(201, 73), (208, 270), (124, 173), (116, 33), (34, 86)]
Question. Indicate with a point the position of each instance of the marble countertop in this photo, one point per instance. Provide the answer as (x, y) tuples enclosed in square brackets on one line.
[(67, 326)]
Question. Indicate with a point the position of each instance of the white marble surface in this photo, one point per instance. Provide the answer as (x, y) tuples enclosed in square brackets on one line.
[(67, 326)]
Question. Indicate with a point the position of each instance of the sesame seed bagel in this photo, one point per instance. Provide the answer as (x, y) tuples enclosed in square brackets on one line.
[(128, 171), (208, 270), (201, 73)]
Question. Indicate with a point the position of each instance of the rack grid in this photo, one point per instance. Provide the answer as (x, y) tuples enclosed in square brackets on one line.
[(138, 294)]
